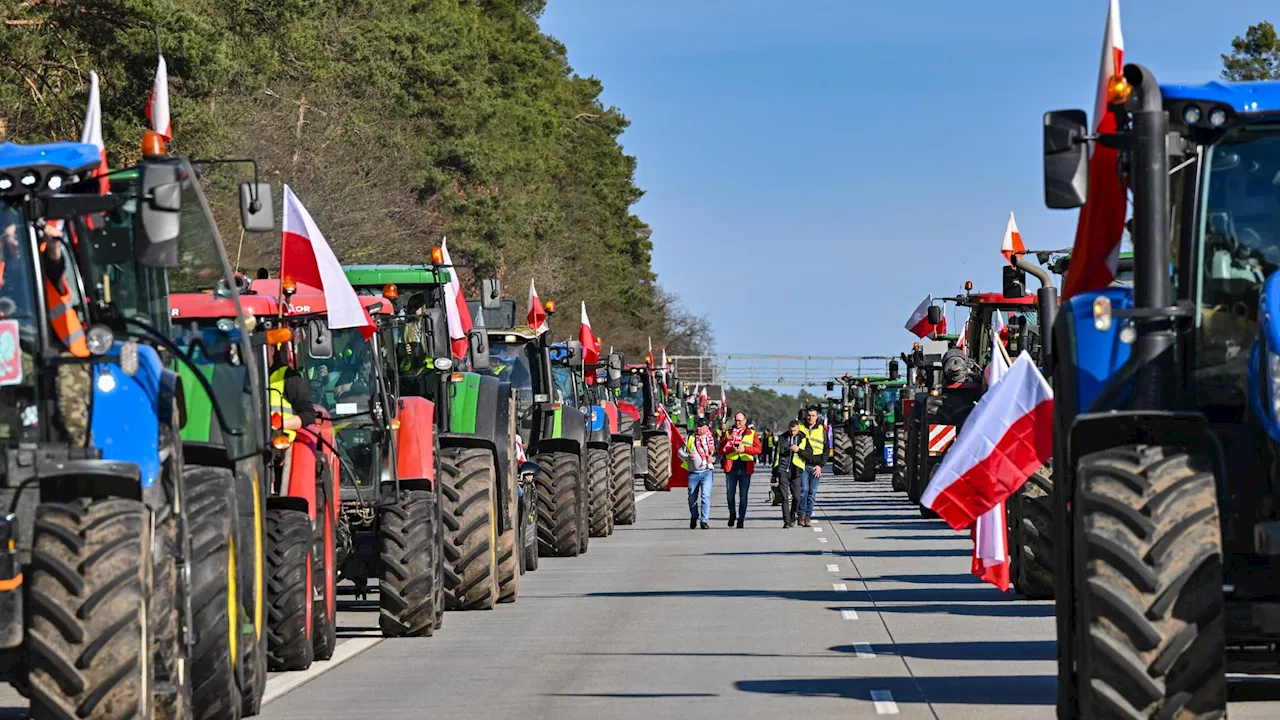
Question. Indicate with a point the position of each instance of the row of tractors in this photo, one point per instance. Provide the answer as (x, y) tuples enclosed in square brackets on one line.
[(174, 531), (1155, 526)]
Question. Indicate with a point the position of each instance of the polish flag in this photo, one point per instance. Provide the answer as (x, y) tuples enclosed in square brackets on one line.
[(537, 318), (918, 323), (939, 329), (158, 103), (990, 532), (1008, 436), (305, 257), (1101, 222), (963, 342), (590, 346), (999, 327), (455, 306), (1012, 242), (91, 134)]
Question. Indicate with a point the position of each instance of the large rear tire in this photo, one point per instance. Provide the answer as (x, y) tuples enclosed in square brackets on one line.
[(600, 478), (899, 481), (624, 486), (559, 508), (842, 452), (210, 506), (468, 484), (324, 627), (657, 474), (289, 542), (89, 637), (407, 547), (1148, 568), (864, 458), (1031, 536), (510, 549)]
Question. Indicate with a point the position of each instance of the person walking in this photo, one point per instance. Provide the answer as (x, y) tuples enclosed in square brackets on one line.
[(767, 445), (740, 447), (812, 451), (698, 456), (788, 475)]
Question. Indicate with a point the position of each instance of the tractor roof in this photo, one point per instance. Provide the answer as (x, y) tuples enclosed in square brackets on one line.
[(395, 274), (1251, 98), (66, 157), (262, 299), (993, 298)]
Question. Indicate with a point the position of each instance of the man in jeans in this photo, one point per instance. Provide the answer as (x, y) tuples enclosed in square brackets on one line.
[(811, 452), (788, 475), (698, 455), (740, 447)]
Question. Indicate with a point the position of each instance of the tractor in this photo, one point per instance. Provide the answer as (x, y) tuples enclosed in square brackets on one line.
[(475, 429), (609, 451), (95, 465), (651, 459), (1166, 509), (624, 429)]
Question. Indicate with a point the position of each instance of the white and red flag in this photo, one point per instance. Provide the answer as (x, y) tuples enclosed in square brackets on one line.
[(1101, 222), (537, 317), (918, 323), (963, 342), (305, 257), (91, 133), (1012, 242), (1008, 436), (455, 306), (990, 531), (590, 345), (939, 329), (158, 103)]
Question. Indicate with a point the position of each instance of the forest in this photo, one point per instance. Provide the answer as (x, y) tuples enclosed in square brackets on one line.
[(397, 122)]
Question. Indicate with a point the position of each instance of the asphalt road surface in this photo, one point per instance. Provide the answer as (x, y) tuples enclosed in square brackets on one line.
[(871, 612)]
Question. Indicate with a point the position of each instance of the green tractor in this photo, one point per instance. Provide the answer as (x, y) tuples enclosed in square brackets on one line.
[(863, 434), (475, 418)]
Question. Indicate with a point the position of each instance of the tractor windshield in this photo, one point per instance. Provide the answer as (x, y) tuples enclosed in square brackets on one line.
[(633, 389), (18, 331), (346, 386), (514, 362), (1239, 246), (886, 399), (214, 346), (567, 384)]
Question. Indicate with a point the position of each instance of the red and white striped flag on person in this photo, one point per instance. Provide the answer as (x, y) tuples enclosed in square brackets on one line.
[(990, 533), (158, 103), (918, 324), (537, 317), (1008, 436), (91, 133), (1101, 222), (455, 306), (305, 257)]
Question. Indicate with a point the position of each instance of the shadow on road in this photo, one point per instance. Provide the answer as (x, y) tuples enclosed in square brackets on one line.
[(969, 690), (1005, 650), (987, 609)]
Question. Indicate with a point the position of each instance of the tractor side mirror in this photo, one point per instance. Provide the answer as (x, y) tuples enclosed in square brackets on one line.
[(1066, 159), (614, 368), (575, 353), (438, 333), (935, 315), (159, 215), (319, 340), (257, 215), (1015, 282), (830, 386), (478, 344), (491, 294), (893, 370)]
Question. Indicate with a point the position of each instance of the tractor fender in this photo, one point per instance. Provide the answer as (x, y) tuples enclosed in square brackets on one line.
[(171, 395), (611, 416), (415, 439), (125, 415), (1093, 432), (300, 468), (563, 423), (597, 427)]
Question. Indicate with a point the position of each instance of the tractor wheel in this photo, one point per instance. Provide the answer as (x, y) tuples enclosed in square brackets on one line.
[(289, 606), (657, 475), (468, 484), (559, 476), (529, 521), (624, 486), (1031, 536), (864, 458), (510, 550), (407, 546), (899, 482), (172, 691), (1148, 559), (324, 630), (210, 506), (89, 637), (843, 461), (441, 538), (912, 457), (599, 478)]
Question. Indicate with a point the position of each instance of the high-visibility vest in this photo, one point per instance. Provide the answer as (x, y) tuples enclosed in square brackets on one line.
[(689, 452), (62, 318), (279, 403), (815, 438), (748, 439)]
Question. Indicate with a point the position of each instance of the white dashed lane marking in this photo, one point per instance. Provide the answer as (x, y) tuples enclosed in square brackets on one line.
[(644, 495), (817, 529), (833, 568), (822, 540), (883, 700), (839, 587), (849, 614), (863, 650)]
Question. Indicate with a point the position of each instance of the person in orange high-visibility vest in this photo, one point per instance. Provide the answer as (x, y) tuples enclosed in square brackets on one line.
[(740, 446), (57, 293)]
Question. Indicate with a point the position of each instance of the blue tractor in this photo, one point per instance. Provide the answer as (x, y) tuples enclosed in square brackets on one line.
[(1167, 502), (118, 580)]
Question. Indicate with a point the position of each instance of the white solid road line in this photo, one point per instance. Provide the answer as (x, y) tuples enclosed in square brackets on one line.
[(849, 614), (645, 494), (884, 702), (283, 684), (863, 650), (839, 587), (833, 568)]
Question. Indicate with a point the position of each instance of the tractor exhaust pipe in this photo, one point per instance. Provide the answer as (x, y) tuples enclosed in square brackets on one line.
[(1046, 304)]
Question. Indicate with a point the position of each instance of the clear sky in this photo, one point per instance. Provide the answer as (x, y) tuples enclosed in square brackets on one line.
[(845, 157)]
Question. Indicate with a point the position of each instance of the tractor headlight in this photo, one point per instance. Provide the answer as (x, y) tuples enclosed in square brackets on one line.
[(6, 182), (1191, 115), (29, 179), (1217, 118), (1273, 376), (55, 181)]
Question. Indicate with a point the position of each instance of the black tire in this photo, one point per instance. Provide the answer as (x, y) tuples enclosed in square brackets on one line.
[(440, 536), (899, 481), (529, 517), (1148, 567), (407, 546), (89, 635), (253, 660), (657, 474), (599, 478), (210, 506), (468, 488), (171, 692), (324, 626), (289, 542), (509, 546), (624, 486), (1031, 536), (559, 509), (842, 458), (864, 458), (915, 429)]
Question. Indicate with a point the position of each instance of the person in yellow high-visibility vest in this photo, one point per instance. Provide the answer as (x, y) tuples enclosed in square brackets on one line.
[(812, 451), (740, 446), (290, 395), (698, 456)]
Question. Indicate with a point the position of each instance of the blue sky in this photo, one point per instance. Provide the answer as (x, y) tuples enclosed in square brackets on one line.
[(846, 158)]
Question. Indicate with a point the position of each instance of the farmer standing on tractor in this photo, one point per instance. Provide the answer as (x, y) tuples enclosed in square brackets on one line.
[(740, 447), (699, 457), (811, 452)]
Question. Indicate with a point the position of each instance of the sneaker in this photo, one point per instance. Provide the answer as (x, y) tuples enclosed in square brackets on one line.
[(786, 525), (705, 526), (693, 523), (739, 524), (732, 520)]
